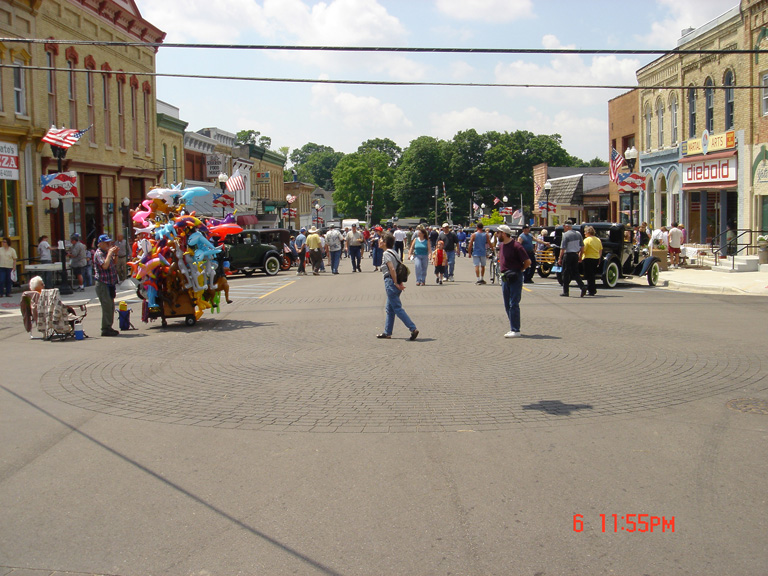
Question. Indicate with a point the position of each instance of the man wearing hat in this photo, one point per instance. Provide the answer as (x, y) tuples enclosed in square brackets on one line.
[(513, 262), (301, 248), (314, 245), (333, 241), (78, 260), (450, 244), (105, 265)]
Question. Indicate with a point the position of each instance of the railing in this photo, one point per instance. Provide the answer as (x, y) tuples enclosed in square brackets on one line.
[(735, 242)]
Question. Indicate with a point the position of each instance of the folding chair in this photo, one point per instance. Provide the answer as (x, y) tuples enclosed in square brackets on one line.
[(56, 319)]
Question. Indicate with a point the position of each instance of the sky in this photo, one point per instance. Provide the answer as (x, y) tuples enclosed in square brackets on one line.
[(344, 116)]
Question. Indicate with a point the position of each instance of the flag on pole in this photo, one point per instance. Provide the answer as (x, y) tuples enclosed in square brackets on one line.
[(64, 137), (538, 188), (235, 182), (617, 161), (475, 207), (506, 211), (549, 207), (517, 217), (495, 200)]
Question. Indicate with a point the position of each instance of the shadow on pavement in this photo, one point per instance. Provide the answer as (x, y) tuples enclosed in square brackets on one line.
[(556, 407)]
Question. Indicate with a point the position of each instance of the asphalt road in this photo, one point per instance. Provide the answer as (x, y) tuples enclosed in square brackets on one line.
[(281, 437)]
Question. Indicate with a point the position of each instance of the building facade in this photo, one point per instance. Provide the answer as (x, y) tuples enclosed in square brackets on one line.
[(116, 159), (622, 128)]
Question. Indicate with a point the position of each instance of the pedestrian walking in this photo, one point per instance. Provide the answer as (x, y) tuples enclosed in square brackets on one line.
[(8, 258), (105, 265), (479, 243), (571, 253), (78, 261), (333, 241), (301, 248), (513, 262), (315, 245), (451, 245), (355, 242), (421, 252), (44, 257), (593, 249), (675, 237), (527, 241), (393, 289), (440, 260), (376, 251)]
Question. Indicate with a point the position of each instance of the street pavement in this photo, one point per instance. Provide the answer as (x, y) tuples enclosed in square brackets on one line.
[(281, 437)]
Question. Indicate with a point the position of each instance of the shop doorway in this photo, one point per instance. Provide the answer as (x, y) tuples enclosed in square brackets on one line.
[(93, 221)]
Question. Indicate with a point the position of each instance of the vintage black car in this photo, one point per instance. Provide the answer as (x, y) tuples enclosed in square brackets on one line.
[(252, 250), (620, 258)]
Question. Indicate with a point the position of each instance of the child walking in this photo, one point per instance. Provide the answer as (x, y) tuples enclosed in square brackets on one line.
[(439, 258)]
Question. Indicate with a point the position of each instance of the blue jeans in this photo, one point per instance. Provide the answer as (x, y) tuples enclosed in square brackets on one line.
[(421, 263), (395, 308), (355, 255), (335, 259), (451, 262), (512, 291), (5, 281)]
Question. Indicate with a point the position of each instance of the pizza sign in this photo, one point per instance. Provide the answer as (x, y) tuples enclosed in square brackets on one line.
[(9, 161)]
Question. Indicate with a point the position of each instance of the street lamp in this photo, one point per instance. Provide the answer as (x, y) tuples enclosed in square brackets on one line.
[(127, 227), (547, 190), (223, 183), (482, 210), (65, 289), (630, 155)]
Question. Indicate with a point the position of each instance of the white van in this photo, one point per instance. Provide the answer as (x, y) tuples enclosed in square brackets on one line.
[(349, 223)]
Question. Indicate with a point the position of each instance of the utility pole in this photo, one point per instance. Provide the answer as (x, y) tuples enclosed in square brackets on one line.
[(436, 190)]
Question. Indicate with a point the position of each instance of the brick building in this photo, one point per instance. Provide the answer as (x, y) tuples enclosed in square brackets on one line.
[(622, 127), (118, 157)]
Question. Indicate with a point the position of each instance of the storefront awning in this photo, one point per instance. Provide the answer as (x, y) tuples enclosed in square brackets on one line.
[(247, 220)]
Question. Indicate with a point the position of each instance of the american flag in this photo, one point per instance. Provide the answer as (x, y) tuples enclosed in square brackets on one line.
[(495, 200), (631, 182), (617, 161), (63, 137), (538, 188), (549, 207), (235, 182), (475, 207), (59, 185)]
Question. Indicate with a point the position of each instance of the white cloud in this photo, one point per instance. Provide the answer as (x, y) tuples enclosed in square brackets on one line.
[(357, 112), (461, 70), (570, 69), (199, 20), (583, 135), (486, 10), (446, 125), (682, 14)]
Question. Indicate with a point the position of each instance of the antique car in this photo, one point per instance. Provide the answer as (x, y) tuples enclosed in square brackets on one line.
[(252, 250), (620, 258)]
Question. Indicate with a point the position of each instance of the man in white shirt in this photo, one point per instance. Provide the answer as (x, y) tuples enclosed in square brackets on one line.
[(400, 236), (333, 240), (675, 238), (355, 241)]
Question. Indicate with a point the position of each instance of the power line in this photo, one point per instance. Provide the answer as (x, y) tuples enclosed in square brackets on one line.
[(432, 50), (381, 82)]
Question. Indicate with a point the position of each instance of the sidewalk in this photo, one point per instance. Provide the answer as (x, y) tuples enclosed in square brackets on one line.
[(706, 281), (125, 291)]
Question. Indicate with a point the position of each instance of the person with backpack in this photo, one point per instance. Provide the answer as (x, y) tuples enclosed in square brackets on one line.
[(393, 287)]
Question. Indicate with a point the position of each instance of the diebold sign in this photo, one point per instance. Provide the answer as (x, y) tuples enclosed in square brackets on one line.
[(710, 171), (709, 143), (9, 161)]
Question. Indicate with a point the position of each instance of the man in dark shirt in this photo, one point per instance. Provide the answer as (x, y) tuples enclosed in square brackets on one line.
[(104, 264), (513, 262), (571, 253), (450, 245)]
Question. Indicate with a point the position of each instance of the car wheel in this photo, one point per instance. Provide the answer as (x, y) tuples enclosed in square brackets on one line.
[(271, 266), (545, 269), (611, 275), (286, 265), (248, 273), (653, 274), (190, 320)]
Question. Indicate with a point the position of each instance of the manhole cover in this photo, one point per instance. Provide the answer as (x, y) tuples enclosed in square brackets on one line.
[(749, 405)]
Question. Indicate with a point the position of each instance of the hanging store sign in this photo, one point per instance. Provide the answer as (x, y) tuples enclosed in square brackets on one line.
[(59, 185), (709, 143), (9, 161), (214, 165), (720, 170)]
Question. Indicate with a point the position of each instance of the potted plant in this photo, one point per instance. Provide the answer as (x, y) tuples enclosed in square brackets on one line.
[(762, 241), (660, 251)]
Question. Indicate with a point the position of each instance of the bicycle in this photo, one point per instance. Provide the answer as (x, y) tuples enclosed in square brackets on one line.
[(495, 272)]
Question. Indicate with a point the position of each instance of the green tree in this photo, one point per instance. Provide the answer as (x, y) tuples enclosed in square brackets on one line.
[(423, 166), (253, 137), (493, 218), (384, 145), (315, 163), (353, 177)]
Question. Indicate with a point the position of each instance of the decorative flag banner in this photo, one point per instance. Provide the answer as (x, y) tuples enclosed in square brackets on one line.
[(59, 185), (495, 201), (475, 207), (225, 200), (235, 182), (538, 188), (617, 161), (507, 211), (64, 137), (550, 207), (289, 212), (290, 199), (631, 182), (517, 217)]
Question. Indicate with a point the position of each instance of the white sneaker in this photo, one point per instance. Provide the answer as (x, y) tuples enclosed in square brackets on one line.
[(511, 334)]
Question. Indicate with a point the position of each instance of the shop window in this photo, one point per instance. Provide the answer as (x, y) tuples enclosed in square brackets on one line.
[(729, 100), (765, 94), (691, 112), (673, 111), (121, 111), (660, 122), (107, 110), (647, 126), (19, 88), (709, 97), (50, 76), (90, 103), (72, 93)]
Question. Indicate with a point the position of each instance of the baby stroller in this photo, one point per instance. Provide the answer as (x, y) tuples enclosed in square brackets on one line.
[(53, 318)]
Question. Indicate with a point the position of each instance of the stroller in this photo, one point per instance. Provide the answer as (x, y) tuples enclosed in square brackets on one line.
[(53, 318)]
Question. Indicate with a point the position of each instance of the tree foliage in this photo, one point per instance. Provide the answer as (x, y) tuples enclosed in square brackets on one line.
[(315, 163), (253, 137), (354, 176)]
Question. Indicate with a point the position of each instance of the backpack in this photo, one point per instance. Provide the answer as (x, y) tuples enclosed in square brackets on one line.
[(401, 270)]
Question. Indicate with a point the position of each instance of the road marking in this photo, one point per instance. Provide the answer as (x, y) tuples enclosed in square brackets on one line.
[(276, 289)]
